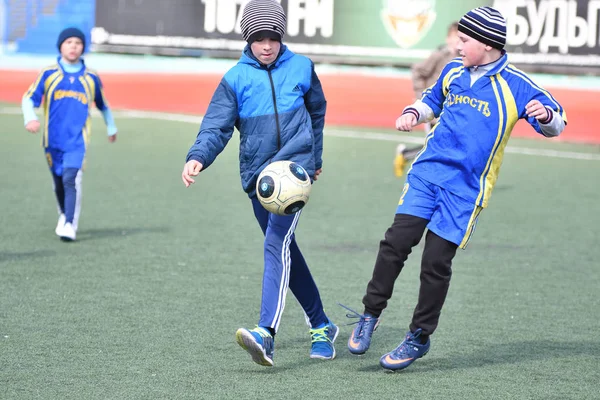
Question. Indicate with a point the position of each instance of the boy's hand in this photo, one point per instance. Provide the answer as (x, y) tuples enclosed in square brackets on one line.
[(191, 168), (33, 126), (406, 122), (537, 110), (317, 173), (112, 138)]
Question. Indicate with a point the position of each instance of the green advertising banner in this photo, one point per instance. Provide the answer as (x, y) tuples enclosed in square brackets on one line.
[(392, 30), (399, 32), (370, 32)]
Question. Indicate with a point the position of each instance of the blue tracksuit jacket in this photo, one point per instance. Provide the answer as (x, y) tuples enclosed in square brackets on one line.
[(279, 111)]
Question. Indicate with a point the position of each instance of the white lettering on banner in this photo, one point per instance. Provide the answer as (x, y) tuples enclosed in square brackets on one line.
[(210, 15), (536, 19), (557, 17), (577, 35), (517, 28), (223, 16), (316, 14), (550, 23), (593, 7), (226, 16)]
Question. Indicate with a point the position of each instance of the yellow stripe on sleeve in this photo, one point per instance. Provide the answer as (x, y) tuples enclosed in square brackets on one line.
[(51, 79), (101, 89), (449, 77), (516, 71), (37, 81), (87, 86)]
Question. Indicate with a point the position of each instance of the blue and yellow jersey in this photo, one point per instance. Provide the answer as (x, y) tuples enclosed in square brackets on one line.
[(67, 99), (464, 150)]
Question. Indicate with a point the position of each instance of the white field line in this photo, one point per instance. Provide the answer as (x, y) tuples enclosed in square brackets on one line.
[(342, 133)]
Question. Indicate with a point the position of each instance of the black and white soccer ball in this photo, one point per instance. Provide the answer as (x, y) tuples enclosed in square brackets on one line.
[(283, 187)]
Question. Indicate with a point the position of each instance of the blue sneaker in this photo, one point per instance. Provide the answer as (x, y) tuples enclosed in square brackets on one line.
[(322, 341), (406, 353), (259, 343), (360, 340)]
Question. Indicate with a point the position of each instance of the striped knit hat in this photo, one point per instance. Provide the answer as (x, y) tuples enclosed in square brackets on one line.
[(486, 25), (262, 19)]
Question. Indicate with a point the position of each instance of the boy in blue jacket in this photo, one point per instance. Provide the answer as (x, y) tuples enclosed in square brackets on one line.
[(274, 98), (479, 98), (68, 90)]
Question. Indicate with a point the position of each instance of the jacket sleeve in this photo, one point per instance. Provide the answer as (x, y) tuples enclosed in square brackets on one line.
[(217, 126), (36, 90), (435, 95), (102, 105), (33, 98), (316, 105), (99, 98), (557, 117)]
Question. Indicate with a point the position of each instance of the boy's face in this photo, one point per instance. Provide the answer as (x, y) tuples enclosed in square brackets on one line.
[(265, 50), (452, 41), (472, 51), (71, 49)]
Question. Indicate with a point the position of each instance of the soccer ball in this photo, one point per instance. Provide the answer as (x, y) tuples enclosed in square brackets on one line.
[(283, 187)]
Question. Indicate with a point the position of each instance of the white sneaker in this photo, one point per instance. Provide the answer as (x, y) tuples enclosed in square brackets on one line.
[(60, 224), (67, 233)]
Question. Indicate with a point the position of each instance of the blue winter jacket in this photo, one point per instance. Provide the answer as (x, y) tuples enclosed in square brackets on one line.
[(279, 111)]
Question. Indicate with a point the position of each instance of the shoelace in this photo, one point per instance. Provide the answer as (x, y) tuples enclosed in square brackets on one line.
[(319, 335), (267, 340), (404, 349), (362, 319), (262, 332), (355, 314)]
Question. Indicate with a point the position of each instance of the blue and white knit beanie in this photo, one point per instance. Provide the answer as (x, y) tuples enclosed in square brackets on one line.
[(486, 25), (263, 19)]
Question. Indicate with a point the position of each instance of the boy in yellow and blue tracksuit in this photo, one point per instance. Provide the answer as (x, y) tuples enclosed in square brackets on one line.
[(478, 98), (275, 100), (67, 90)]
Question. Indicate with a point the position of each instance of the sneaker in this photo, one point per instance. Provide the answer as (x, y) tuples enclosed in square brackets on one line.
[(60, 224), (406, 353), (322, 341), (360, 340), (399, 160), (259, 343), (67, 233)]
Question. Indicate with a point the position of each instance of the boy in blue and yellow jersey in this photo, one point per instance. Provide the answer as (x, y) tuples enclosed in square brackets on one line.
[(67, 89), (478, 97), (274, 98)]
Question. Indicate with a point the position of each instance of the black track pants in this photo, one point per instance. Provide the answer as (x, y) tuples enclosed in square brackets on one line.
[(436, 270)]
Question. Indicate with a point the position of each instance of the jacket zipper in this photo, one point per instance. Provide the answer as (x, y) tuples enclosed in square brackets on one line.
[(275, 106)]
